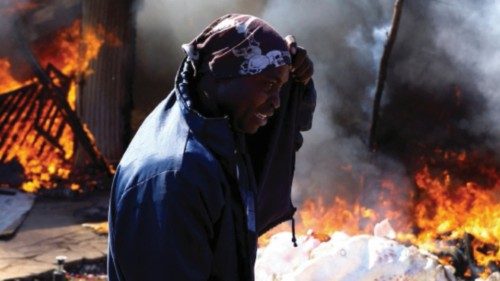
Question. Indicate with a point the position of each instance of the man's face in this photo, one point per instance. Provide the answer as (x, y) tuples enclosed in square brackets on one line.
[(251, 100)]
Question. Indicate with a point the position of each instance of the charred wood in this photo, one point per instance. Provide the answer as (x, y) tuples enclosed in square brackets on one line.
[(6, 116), (57, 92), (23, 135), (5, 102), (460, 254), (469, 253), (494, 266), (12, 118)]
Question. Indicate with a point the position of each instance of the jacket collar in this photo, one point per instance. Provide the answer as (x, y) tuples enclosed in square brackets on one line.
[(216, 132)]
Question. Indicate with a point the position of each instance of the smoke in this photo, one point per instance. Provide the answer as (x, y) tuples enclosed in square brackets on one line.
[(441, 89), (26, 22), (9, 46), (471, 36), (442, 46), (345, 40)]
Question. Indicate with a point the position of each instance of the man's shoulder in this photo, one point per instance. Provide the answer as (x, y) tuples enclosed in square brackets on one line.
[(151, 179), (157, 146), (186, 157), (165, 149), (198, 156)]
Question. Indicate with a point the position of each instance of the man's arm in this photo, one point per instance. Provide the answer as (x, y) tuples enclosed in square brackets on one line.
[(307, 106), (302, 71), (162, 230)]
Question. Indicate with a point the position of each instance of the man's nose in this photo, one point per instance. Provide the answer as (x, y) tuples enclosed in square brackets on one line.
[(275, 99)]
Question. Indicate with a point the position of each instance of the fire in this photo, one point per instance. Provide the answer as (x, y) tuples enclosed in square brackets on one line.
[(354, 217), (71, 51), (7, 81), (454, 205), (455, 195)]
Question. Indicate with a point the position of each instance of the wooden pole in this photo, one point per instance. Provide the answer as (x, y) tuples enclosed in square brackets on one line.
[(382, 74)]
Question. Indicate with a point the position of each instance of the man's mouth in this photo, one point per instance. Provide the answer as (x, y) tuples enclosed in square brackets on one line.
[(263, 117)]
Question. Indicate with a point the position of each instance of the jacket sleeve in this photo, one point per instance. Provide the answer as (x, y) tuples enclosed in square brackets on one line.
[(306, 106), (162, 230)]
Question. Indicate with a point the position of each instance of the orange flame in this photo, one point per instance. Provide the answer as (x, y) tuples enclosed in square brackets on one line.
[(448, 204), (454, 207), (7, 81), (71, 51)]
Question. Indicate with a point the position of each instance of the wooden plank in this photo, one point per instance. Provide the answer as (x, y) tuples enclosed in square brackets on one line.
[(6, 100), (10, 122), (9, 108), (26, 118), (20, 132)]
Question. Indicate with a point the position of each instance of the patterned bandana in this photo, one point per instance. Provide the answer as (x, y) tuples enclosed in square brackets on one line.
[(237, 45)]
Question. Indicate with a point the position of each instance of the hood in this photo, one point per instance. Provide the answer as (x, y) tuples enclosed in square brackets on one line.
[(272, 148)]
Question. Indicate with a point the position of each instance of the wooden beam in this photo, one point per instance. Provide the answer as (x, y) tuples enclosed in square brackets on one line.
[(58, 95), (382, 74)]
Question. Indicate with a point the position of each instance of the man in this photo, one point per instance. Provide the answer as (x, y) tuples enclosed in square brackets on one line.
[(211, 167)]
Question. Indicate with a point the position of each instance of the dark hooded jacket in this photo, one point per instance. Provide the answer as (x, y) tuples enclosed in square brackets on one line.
[(187, 200)]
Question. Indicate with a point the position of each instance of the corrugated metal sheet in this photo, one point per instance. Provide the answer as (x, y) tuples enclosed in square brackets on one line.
[(105, 98)]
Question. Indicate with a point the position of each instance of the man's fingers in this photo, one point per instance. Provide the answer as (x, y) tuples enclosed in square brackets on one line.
[(302, 66), (303, 69), (299, 58), (304, 72), (305, 75)]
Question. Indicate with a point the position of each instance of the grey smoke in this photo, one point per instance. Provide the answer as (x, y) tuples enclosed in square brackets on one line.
[(25, 22), (470, 34), (440, 43), (9, 45), (345, 39)]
